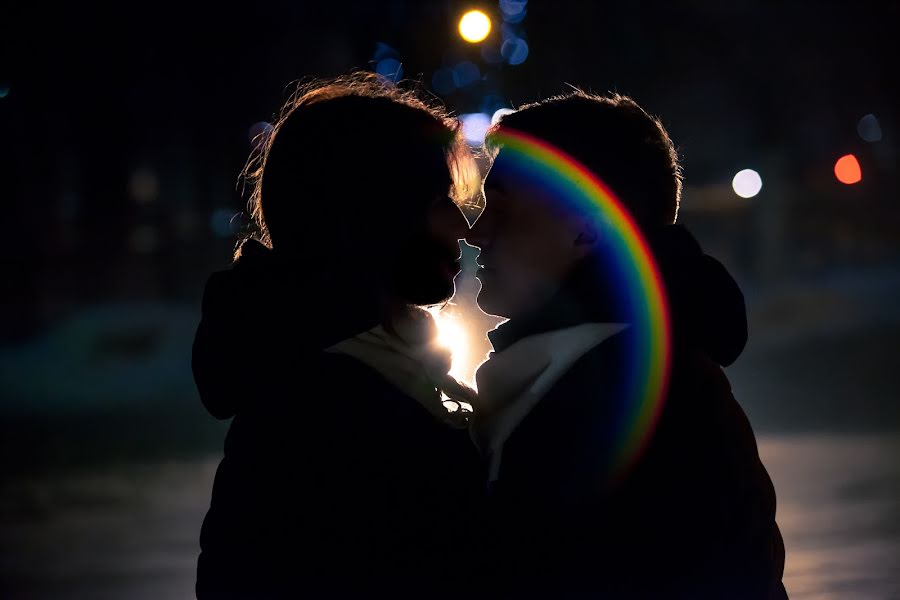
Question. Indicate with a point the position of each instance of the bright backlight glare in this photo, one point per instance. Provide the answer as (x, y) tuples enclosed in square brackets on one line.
[(452, 335)]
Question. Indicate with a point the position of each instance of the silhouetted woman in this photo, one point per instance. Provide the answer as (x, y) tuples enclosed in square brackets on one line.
[(344, 471)]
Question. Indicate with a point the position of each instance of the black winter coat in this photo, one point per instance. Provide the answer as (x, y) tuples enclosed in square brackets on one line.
[(332, 481), (694, 518)]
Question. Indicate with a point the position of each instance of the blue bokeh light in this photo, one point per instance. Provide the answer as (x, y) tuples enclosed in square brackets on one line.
[(390, 69), (514, 51), (869, 128), (513, 10), (465, 74), (224, 222)]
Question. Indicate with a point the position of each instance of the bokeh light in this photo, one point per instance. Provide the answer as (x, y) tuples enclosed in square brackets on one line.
[(475, 126), (747, 183), (514, 50), (390, 68), (4, 90), (847, 170), (224, 222), (869, 128), (474, 26), (513, 10)]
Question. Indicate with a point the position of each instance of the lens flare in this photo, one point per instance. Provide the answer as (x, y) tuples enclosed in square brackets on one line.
[(630, 269)]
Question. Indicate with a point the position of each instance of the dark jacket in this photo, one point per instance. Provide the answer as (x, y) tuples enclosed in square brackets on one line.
[(333, 481), (695, 516)]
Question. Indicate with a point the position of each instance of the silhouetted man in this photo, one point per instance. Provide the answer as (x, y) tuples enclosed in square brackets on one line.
[(695, 515)]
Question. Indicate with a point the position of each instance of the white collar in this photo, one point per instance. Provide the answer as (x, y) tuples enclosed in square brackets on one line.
[(513, 381)]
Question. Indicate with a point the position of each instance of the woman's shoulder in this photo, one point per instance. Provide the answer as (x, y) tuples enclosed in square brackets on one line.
[(340, 375), (359, 385), (350, 383)]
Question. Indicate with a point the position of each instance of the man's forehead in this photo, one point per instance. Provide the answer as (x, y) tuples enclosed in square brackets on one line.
[(501, 173), (511, 183)]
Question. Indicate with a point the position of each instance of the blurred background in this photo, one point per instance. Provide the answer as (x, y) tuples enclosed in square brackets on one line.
[(124, 130)]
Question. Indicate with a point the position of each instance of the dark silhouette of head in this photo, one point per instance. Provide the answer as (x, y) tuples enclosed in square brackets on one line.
[(529, 243), (361, 182)]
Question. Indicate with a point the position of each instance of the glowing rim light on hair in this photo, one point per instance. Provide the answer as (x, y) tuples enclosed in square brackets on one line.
[(643, 292)]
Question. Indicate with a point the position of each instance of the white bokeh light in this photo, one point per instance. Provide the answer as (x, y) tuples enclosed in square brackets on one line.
[(475, 125), (747, 183)]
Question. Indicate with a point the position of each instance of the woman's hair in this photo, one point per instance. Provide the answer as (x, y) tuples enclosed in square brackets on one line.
[(352, 158)]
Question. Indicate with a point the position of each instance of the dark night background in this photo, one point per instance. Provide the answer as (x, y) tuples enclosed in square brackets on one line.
[(124, 130)]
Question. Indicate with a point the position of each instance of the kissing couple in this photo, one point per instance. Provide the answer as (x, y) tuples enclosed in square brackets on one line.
[(603, 454)]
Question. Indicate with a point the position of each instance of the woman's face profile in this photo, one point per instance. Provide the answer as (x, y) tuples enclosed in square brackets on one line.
[(428, 263)]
